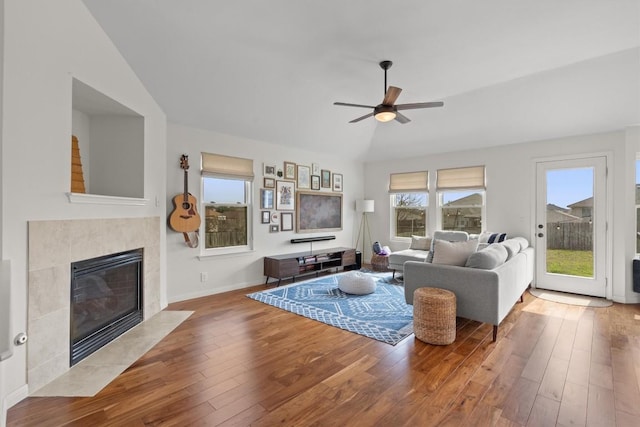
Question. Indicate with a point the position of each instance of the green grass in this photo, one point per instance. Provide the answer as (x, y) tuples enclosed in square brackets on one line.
[(574, 263)]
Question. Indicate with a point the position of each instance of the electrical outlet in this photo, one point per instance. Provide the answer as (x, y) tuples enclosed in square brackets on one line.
[(204, 276)]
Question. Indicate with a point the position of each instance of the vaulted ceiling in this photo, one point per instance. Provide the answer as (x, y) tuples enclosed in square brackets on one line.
[(508, 71)]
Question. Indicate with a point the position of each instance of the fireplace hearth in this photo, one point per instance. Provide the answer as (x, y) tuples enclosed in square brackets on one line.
[(106, 300)]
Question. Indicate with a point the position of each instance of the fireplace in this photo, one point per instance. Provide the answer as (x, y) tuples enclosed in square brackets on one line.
[(106, 300)]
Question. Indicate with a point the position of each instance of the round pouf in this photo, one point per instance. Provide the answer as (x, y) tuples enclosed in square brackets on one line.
[(434, 315), (356, 283)]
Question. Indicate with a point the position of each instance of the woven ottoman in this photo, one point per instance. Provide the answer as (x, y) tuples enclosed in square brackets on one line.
[(434, 315), (356, 283), (380, 262)]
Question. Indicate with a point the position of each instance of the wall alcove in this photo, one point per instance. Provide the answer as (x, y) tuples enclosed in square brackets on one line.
[(111, 143)]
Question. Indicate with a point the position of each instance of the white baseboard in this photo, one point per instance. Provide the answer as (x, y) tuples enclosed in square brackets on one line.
[(208, 292), (10, 400)]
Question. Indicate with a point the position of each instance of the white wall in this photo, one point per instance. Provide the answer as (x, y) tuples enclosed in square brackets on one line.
[(511, 191), (228, 272), (117, 155), (46, 44)]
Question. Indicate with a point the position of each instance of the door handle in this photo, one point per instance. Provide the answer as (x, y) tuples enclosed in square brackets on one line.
[(540, 226), (540, 234)]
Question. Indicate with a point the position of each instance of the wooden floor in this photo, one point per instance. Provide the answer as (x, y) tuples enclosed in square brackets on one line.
[(239, 362)]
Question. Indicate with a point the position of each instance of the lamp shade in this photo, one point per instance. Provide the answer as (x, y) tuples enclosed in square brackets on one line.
[(384, 113), (365, 206)]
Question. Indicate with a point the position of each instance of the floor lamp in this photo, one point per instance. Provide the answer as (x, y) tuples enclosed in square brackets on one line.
[(364, 206)]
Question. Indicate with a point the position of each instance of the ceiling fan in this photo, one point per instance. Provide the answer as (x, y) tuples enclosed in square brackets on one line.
[(387, 110)]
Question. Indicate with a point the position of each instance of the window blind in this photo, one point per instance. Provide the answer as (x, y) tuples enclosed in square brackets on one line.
[(408, 181), (227, 166), (460, 178)]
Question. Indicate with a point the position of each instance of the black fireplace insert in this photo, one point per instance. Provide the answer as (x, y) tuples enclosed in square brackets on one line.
[(106, 300)]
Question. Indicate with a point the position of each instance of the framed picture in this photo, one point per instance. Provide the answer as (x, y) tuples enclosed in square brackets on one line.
[(266, 198), (318, 211), (274, 217), (269, 169), (315, 169), (304, 177), (337, 182), (269, 183), (274, 228), (266, 217), (285, 200), (286, 221), (289, 170), (325, 178), (315, 182)]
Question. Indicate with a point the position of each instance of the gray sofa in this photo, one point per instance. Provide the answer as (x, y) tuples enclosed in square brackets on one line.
[(484, 295)]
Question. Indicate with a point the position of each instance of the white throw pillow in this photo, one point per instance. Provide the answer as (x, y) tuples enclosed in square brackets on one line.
[(453, 253), (449, 236), (488, 258), (420, 243)]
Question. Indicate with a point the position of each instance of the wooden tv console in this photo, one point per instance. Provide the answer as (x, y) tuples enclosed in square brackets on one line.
[(300, 263)]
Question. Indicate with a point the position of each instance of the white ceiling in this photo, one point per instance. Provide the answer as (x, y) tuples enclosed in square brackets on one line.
[(508, 71)]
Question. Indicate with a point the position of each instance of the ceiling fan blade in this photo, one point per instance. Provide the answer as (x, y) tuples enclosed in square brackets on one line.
[(419, 105), (362, 118), (402, 118), (391, 95), (345, 104)]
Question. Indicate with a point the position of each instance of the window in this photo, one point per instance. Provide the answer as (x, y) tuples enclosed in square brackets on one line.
[(638, 206), (461, 194), (462, 210), (227, 188), (408, 196), (409, 214)]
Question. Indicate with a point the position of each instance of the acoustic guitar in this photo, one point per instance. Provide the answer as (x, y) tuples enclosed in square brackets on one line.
[(185, 217)]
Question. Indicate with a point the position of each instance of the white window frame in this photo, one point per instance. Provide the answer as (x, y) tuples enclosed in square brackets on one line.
[(468, 179), (248, 202), (407, 183), (392, 207), (219, 166)]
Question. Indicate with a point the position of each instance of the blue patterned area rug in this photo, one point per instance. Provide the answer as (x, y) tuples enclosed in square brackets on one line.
[(383, 315)]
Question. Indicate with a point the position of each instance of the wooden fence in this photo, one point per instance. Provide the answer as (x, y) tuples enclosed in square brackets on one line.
[(577, 236), (225, 238)]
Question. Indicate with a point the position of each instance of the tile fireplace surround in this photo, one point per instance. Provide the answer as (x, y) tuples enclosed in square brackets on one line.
[(53, 246)]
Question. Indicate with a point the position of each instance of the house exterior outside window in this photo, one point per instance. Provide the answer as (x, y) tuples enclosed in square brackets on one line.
[(462, 210)]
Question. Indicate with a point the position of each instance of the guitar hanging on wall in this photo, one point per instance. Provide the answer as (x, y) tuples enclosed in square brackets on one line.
[(185, 218)]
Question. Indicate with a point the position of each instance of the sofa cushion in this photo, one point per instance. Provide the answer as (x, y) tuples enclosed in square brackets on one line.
[(512, 246), (453, 253), (400, 257), (420, 243), (488, 258), (524, 243), (449, 236)]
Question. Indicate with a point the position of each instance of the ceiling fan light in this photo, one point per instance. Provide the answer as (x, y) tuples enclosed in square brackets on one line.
[(384, 113)]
